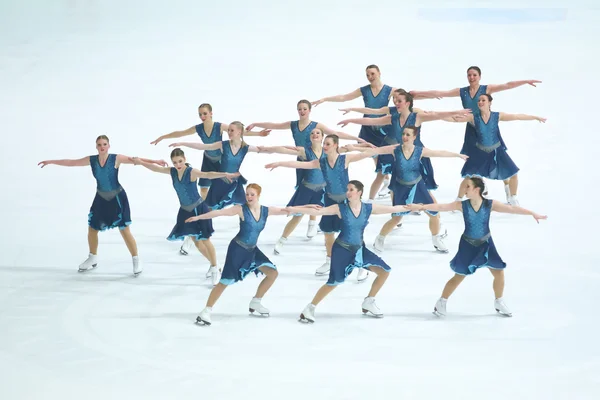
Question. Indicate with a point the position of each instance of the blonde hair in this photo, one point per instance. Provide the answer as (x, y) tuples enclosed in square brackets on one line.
[(239, 125), (103, 137)]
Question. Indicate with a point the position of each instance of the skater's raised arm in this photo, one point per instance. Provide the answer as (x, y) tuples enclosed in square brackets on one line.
[(270, 125), (459, 118), (224, 212), (435, 94), (199, 146), (81, 162), (381, 209), (342, 135), (197, 174), (350, 158), (508, 209), (366, 110), (263, 133), (387, 120), (441, 115), (441, 153), (356, 147), (454, 206), (175, 134), (520, 117), (293, 151), (122, 159), (340, 98), (150, 165), (510, 85), (314, 209), (314, 164), (278, 211)]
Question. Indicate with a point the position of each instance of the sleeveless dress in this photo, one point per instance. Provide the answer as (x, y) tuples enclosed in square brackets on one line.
[(222, 192), (336, 184), (211, 159), (311, 189)]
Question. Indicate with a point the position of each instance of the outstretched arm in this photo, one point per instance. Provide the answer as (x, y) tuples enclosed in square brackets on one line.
[(197, 174), (199, 146), (505, 208), (314, 164), (313, 209), (458, 118), (433, 94), (454, 206), (151, 166), (363, 110), (224, 212), (387, 120), (350, 158), (278, 211), (437, 115), (356, 147), (270, 125), (281, 150), (520, 117), (175, 134), (381, 209), (121, 159), (264, 132), (510, 85), (339, 98), (340, 134), (82, 162), (441, 153)]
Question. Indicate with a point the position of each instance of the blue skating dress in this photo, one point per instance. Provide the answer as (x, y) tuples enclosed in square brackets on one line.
[(488, 157), (301, 139), (476, 248), (469, 102), (110, 208), (190, 205), (312, 187), (243, 257), (408, 185), (375, 134), (349, 250), (336, 180), (211, 159), (222, 192)]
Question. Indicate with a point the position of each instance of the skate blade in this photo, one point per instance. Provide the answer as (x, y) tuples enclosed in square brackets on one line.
[(201, 322), (136, 274), (305, 320), (370, 314), (258, 314), (183, 252), (440, 251), (509, 315), (322, 273), (88, 269), (437, 313)]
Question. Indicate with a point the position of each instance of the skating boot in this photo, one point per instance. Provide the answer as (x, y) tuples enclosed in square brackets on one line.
[(255, 305), (308, 314), (89, 264), (324, 269), (279, 245), (384, 191), (379, 243), (215, 275), (312, 229), (204, 317), (513, 201), (507, 192), (362, 274), (186, 246), (137, 266), (370, 308), (440, 307), (501, 307), (438, 243)]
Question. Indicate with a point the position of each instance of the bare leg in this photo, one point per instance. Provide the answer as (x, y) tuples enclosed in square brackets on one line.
[(207, 249), (201, 248), (129, 241), (498, 282), (382, 276), (270, 276), (93, 240), (513, 184), (376, 185), (215, 294), (203, 192), (451, 285), (329, 240), (434, 224), (322, 293), (390, 225), (291, 225)]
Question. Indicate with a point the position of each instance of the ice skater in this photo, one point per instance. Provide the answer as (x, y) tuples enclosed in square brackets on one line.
[(469, 96), (349, 250), (243, 255), (301, 130), (408, 186), (184, 179), (476, 248), (375, 95), (110, 208), (225, 192), (488, 158), (334, 167)]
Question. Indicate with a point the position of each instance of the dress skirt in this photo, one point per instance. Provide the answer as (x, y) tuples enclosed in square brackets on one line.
[(241, 261), (223, 193), (208, 165), (475, 254), (109, 210), (405, 194), (489, 162), (331, 223), (199, 230), (304, 196), (344, 258)]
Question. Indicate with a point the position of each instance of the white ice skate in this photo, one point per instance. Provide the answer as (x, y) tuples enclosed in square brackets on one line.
[(440, 307), (438, 243), (308, 314), (507, 192), (370, 308), (443, 231), (513, 201), (279, 245), (362, 274), (379, 243), (186, 246), (312, 229), (215, 275), (89, 264), (255, 305), (501, 308), (204, 317), (324, 269), (384, 191), (137, 266)]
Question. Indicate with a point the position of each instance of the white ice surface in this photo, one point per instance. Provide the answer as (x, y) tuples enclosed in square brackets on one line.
[(71, 70)]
